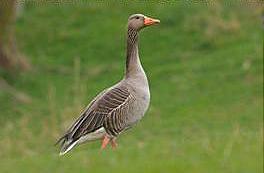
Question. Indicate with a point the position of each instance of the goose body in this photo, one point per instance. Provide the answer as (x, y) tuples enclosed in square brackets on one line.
[(119, 107)]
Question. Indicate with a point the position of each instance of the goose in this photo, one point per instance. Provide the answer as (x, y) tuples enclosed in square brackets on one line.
[(119, 107)]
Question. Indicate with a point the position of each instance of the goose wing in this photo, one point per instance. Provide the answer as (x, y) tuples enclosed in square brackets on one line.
[(106, 110)]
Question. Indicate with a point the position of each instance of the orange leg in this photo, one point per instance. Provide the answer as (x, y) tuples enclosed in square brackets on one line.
[(105, 142), (113, 143)]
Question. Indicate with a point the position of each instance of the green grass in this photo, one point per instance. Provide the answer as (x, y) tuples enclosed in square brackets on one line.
[(205, 67)]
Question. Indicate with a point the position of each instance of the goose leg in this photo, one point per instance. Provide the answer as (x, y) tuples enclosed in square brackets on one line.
[(113, 143), (105, 142)]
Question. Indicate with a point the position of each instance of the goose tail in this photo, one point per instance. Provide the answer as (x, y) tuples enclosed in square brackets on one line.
[(66, 144)]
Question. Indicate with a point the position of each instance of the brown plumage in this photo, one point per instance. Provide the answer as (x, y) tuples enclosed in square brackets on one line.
[(119, 107)]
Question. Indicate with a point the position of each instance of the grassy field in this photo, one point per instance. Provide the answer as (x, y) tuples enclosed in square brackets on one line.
[(204, 64)]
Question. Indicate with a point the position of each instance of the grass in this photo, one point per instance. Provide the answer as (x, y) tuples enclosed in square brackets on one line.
[(204, 64)]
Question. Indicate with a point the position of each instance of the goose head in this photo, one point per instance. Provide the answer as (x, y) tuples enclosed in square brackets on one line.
[(139, 21)]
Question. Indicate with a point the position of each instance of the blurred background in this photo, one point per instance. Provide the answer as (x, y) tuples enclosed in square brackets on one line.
[(205, 67)]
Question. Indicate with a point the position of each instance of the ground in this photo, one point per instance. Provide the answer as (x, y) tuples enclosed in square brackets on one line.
[(204, 64)]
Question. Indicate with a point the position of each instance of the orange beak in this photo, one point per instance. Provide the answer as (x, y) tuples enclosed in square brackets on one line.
[(149, 21)]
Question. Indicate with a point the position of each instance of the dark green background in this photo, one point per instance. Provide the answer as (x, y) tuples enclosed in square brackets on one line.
[(204, 63)]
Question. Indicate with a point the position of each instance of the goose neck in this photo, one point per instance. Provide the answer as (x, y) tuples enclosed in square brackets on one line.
[(133, 65)]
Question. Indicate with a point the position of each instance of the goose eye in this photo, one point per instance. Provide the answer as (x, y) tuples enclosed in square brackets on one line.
[(137, 17)]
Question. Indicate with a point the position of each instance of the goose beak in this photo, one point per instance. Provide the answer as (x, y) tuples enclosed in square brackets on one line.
[(149, 21)]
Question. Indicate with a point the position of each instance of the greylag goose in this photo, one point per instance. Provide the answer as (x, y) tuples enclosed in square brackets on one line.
[(119, 107)]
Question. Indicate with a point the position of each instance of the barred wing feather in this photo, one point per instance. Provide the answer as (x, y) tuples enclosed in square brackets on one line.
[(106, 110)]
